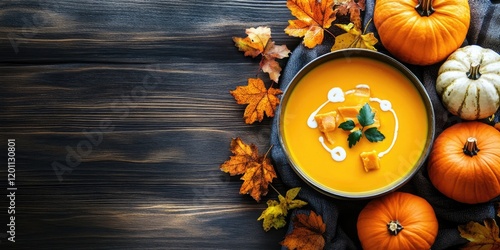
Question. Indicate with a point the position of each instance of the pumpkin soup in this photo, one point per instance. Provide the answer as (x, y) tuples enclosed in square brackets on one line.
[(322, 111)]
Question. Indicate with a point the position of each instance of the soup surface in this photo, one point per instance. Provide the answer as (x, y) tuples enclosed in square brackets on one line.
[(332, 165)]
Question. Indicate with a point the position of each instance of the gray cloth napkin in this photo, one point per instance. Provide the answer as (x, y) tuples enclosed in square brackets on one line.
[(340, 216)]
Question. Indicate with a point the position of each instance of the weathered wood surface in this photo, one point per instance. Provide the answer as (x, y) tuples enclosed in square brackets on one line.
[(121, 115)]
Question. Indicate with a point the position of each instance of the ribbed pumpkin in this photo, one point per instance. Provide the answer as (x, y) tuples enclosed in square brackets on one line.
[(464, 163), (421, 32), (468, 82), (398, 220)]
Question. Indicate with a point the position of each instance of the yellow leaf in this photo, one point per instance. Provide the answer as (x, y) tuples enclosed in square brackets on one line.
[(275, 213), (480, 237), (291, 202), (354, 38), (273, 216)]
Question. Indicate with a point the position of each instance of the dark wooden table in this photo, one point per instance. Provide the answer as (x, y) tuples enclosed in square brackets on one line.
[(121, 115)]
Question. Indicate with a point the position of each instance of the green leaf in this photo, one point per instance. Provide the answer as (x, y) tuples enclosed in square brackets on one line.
[(374, 135), (354, 137), (275, 213), (347, 125), (273, 216), (366, 116), (290, 200)]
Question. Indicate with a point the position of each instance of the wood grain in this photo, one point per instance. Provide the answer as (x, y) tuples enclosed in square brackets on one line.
[(122, 114)]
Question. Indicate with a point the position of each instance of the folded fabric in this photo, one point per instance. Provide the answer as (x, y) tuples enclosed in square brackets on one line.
[(340, 216)]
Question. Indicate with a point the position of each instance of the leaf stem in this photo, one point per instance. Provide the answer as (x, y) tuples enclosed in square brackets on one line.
[(366, 26), (264, 158), (268, 151), (275, 190), (329, 32)]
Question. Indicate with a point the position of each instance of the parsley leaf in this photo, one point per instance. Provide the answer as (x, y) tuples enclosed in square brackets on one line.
[(366, 116), (347, 125), (374, 135), (354, 137)]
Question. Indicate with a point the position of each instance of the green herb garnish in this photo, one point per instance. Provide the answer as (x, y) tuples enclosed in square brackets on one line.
[(366, 118)]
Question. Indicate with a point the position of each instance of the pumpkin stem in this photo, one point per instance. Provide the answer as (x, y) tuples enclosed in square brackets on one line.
[(470, 147), (424, 7), (474, 72), (394, 227)]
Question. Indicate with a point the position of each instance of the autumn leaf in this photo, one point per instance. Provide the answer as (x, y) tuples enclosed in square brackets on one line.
[(259, 42), (307, 232), (480, 237), (353, 8), (313, 18), (269, 64), (257, 178), (354, 38), (273, 216), (244, 156), (289, 202), (276, 212), (254, 44), (257, 170), (259, 99)]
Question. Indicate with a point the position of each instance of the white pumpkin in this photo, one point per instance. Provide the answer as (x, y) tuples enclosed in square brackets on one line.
[(468, 82)]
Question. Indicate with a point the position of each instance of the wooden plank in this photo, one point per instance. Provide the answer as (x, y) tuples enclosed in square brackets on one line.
[(133, 31), (122, 115)]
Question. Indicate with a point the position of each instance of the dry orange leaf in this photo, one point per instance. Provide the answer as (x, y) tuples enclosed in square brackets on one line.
[(353, 8), (480, 237), (307, 232), (313, 18), (257, 178), (259, 42), (257, 170), (244, 156), (260, 100)]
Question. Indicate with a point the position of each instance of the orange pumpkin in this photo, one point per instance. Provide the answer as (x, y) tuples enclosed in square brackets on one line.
[(464, 163), (397, 221), (421, 32)]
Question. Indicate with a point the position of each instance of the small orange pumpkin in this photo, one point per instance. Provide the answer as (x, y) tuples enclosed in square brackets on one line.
[(464, 163), (421, 32), (397, 221)]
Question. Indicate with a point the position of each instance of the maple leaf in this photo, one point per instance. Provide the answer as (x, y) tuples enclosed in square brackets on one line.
[(354, 38), (269, 64), (313, 18), (259, 99), (257, 170), (254, 44), (273, 216), (289, 201), (353, 8), (307, 232), (257, 178), (244, 157), (275, 213), (259, 42), (479, 236)]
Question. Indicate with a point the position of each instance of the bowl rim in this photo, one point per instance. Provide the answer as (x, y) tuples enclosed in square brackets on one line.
[(365, 53)]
